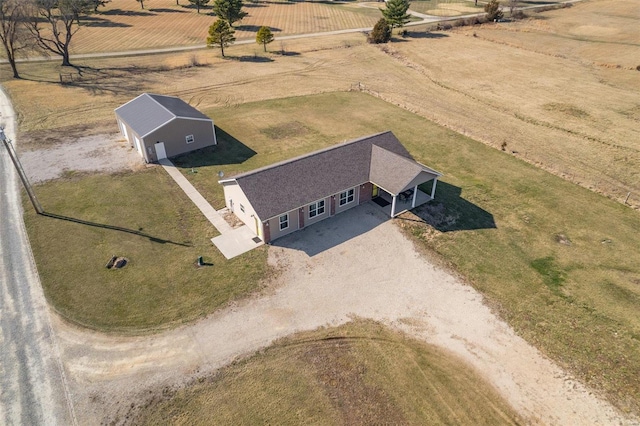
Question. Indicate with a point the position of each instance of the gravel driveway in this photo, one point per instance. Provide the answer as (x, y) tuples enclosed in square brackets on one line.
[(356, 264)]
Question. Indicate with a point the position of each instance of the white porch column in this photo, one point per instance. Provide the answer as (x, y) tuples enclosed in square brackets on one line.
[(393, 206), (415, 195), (433, 188)]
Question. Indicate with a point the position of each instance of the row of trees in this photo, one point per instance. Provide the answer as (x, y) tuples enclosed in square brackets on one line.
[(395, 16), (221, 32)]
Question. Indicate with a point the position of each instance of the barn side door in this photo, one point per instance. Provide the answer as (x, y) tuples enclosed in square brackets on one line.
[(160, 151)]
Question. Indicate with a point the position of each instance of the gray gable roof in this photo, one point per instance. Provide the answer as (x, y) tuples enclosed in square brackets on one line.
[(290, 184), (394, 173), (148, 112)]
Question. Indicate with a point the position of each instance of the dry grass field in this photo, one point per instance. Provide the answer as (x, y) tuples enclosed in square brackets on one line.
[(546, 89), (359, 373), (164, 24)]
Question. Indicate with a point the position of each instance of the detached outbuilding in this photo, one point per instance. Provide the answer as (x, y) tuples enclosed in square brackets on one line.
[(160, 126), (279, 199)]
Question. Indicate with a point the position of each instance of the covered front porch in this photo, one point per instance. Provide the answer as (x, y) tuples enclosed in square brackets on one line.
[(393, 205)]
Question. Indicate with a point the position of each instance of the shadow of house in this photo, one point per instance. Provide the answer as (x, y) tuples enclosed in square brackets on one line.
[(450, 212), (334, 231), (229, 150)]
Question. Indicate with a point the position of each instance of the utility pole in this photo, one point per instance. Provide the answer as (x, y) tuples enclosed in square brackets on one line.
[(21, 173)]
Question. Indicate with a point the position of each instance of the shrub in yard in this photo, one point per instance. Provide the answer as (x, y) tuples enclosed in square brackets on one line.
[(381, 32), (494, 11)]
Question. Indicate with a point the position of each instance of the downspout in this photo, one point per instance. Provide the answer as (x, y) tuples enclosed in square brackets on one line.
[(415, 194), (433, 188)]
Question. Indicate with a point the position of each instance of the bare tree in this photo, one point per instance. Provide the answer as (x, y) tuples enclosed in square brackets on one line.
[(12, 30), (53, 24)]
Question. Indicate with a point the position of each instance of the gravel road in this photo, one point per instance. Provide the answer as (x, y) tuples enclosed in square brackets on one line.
[(33, 389)]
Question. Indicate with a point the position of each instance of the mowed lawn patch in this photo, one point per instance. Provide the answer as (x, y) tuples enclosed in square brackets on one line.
[(561, 263), (359, 373), (161, 234)]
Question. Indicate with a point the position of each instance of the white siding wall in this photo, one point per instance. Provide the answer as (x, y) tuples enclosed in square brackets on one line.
[(235, 198)]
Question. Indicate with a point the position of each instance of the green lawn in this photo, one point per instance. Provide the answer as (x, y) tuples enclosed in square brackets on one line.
[(359, 373), (162, 234), (559, 262)]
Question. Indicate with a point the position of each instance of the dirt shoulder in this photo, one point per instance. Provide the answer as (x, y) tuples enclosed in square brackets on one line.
[(331, 272)]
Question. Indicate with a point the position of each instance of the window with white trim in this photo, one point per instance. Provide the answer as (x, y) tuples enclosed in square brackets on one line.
[(316, 209), (347, 197), (284, 221), (190, 139)]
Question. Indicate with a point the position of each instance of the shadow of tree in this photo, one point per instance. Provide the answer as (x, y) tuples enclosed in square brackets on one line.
[(113, 228), (425, 34), (94, 21), (228, 151), (114, 80), (163, 10), (121, 12), (255, 28), (252, 58), (450, 212)]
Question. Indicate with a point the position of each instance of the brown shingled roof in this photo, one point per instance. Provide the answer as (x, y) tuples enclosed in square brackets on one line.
[(284, 186)]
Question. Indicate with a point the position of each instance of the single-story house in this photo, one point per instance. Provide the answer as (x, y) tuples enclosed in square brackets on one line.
[(160, 126), (281, 198)]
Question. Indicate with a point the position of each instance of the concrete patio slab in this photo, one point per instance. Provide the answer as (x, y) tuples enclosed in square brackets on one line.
[(236, 242)]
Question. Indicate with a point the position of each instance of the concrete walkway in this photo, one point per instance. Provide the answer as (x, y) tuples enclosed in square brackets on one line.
[(231, 242)]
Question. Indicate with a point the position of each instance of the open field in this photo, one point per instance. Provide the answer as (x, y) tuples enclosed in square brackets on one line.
[(359, 373), (145, 218), (164, 24), (568, 104)]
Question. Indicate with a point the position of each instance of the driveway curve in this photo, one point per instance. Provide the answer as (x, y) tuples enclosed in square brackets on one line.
[(357, 264)]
